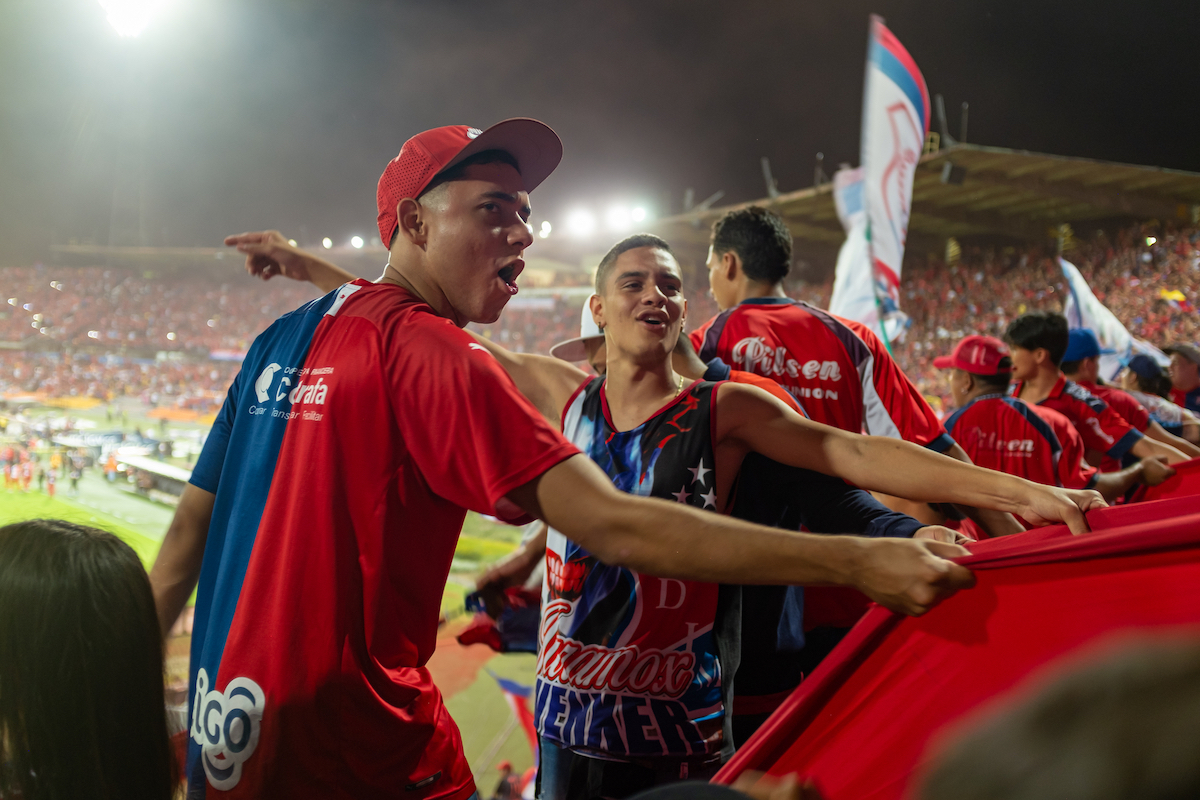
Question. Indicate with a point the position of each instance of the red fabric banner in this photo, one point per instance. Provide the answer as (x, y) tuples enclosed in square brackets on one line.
[(859, 726), (1185, 482)]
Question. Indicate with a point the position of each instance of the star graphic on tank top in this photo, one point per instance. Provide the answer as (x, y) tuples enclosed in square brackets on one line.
[(681, 495), (709, 499), (699, 472)]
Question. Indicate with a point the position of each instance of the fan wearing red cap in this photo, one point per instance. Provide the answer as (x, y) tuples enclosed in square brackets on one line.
[(1005, 434), (320, 521)]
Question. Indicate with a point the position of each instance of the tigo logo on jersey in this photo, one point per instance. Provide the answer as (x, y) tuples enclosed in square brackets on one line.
[(226, 725)]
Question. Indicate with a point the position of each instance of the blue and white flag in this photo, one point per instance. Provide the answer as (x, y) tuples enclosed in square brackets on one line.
[(894, 123), (1084, 310)]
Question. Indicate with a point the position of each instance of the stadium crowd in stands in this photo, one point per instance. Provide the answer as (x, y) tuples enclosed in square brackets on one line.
[(92, 312)]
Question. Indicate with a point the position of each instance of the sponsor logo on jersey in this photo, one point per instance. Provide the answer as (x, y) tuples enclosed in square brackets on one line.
[(1094, 424), (226, 725), (752, 354), (296, 387), (990, 440)]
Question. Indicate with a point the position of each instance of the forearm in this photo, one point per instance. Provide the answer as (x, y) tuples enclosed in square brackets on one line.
[(1163, 436), (996, 523), (907, 470), (325, 275), (177, 566), (1115, 484), (674, 541), (1147, 447)]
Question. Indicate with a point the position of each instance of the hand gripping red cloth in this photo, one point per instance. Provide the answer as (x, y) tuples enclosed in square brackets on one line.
[(859, 726)]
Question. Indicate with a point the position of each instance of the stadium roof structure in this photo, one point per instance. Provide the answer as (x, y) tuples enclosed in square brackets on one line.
[(972, 190)]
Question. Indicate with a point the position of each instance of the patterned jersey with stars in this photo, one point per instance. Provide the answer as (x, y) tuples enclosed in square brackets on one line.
[(628, 664)]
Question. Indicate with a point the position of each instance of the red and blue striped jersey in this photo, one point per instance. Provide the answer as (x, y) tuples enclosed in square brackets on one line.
[(1010, 436), (360, 429)]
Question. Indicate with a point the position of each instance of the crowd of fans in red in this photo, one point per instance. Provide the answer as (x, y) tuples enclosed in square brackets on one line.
[(108, 324)]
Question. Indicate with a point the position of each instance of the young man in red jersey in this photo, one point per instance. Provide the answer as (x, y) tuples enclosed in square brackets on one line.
[(321, 518), (838, 369), (1037, 443), (1081, 364), (622, 704), (1039, 340)]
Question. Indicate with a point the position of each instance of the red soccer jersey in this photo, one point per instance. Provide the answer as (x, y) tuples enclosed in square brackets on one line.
[(1124, 404), (360, 430), (1005, 434), (838, 370), (1099, 426)]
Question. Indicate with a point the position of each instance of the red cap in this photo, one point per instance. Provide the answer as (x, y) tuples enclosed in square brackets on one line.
[(536, 148), (978, 355)]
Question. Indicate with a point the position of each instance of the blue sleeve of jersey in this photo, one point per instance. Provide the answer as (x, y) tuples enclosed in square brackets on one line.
[(830, 505), (942, 443), (717, 370), (1125, 444), (207, 472)]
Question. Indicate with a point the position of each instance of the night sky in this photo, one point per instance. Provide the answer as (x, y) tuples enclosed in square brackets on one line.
[(282, 114)]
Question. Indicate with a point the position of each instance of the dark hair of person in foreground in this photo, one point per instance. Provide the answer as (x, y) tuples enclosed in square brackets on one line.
[(1127, 727), (82, 712)]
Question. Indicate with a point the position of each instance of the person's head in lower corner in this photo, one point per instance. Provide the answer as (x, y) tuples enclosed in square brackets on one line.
[(748, 246), (979, 365), (82, 707), (639, 299), (1122, 728), (454, 212), (1039, 341)]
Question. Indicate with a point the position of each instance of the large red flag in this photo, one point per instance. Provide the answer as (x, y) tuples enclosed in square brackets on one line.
[(860, 725)]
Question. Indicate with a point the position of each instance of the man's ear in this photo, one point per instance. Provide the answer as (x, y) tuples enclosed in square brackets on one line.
[(731, 265), (411, 222), (1041, 356), (596, 304)]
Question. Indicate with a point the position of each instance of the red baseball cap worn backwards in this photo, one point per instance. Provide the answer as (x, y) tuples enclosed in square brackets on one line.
[(536, 148), (978, 355)]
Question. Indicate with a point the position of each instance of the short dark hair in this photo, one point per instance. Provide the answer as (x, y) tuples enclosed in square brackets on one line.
[(998, 382), (458, 170), (1071, 367), (760, 239), (1040, 329), (81, 667), (625, 245)]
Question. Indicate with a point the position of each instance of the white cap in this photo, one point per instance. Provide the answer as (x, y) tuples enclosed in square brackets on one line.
[(573, 350)]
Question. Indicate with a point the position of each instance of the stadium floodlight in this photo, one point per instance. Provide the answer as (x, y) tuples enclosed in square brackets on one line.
[(12, 301), (130, 17), (93, 334), (545, 229), (619, 219), (171, 336), (292, 242), (581, 222), (356, 242), (1150, 240), (327, 243), (638, 214)]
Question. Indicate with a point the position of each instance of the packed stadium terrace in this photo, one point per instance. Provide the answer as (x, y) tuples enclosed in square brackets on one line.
[(113, 322)]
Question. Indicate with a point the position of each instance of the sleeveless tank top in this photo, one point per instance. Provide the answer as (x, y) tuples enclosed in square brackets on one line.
[(628, 664)]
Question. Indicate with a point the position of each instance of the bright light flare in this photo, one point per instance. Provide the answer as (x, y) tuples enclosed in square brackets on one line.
[(545, 229), (93, 334), (171, 336), (618, 219), (639, 214), (581, 222), (130, 17), (356, 242), (327, 243), (1150, 240), (292, 242)]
